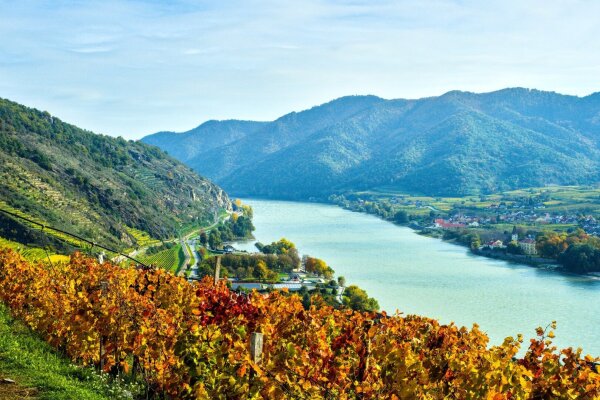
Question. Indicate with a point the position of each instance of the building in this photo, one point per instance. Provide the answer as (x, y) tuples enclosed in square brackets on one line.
[(528, 246), (442, 223), (495, 244), (515, 235)]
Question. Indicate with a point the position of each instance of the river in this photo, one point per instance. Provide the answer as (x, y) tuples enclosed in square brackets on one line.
[(419, 275)]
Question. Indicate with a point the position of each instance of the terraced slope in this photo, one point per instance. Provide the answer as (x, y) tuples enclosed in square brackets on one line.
[(116, 192)]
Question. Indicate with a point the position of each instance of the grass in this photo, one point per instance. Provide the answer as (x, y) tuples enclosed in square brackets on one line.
[(181, 255), (33, 253), (41, 373), (192, 229), (191, 253)]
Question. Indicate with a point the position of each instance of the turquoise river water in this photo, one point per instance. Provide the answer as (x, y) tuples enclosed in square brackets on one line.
[(419, 275)]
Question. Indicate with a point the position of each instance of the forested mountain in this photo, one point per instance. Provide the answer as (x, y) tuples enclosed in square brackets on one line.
[(211, 134), (95, 185), (458, 143)]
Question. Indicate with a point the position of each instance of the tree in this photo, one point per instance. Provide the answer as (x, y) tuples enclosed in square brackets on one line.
[(203, 238), (341, 281), (237, 204), (282, 246), (401, 217), (358, 300), (214, 239), (475, 242), (581, 258), (240, 273), (261, 270), (318, 267), (514, 248)]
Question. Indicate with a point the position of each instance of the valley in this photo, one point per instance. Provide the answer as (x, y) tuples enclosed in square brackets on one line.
[(322, 200), (160, 230)]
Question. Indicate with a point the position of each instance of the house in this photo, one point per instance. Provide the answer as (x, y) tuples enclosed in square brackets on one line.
[(528, 246), (495, 244), (442, 223)]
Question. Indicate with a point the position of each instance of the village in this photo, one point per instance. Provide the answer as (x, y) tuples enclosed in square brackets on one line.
[(527, 245), (508, 224)]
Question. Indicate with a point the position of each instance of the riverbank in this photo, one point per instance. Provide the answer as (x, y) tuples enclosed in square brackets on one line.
[(496, 254), (418, 275)]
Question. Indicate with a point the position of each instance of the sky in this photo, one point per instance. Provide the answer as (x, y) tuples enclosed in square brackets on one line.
[(131, 68)]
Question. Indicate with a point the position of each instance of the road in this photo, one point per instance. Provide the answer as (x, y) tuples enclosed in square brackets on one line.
[(187, 265), (186, 238), (194, 268)]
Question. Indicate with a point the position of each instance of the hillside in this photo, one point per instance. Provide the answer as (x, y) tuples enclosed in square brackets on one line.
[(103, 188), (455, 144)]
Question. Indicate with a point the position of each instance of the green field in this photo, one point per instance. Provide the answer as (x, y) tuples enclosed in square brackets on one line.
[(556, 199), (192, 258)]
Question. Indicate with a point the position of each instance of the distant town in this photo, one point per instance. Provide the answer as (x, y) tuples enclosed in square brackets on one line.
[(536, 226)]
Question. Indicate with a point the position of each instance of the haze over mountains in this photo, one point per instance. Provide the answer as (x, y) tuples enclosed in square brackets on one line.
[(94, 185), (455, 144)]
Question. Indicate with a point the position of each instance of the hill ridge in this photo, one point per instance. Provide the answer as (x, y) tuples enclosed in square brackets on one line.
[(366, 141)]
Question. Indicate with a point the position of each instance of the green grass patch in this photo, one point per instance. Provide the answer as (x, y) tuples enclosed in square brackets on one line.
[(192, 258), (181, 258), (32, 363)]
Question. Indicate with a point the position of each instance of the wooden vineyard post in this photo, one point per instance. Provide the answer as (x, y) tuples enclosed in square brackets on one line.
[(256, 346), (217, 270), (103, 291)]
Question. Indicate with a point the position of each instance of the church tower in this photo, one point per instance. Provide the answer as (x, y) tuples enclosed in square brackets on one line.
[(515, 235)]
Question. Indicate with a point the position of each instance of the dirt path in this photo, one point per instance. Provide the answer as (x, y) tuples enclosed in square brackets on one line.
[(12, 391)]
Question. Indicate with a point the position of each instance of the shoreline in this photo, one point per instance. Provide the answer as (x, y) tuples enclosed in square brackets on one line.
[(532, 261), (537, 262)]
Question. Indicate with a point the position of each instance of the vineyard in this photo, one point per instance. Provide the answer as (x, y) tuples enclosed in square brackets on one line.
[(191, 341), (142, 238), (168, 259), (32, 253), (52, 232)]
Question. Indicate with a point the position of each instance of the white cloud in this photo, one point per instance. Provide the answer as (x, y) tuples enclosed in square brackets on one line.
[(136, 67)]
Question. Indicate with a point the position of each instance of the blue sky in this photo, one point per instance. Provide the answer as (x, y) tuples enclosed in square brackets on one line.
[(131, 68)]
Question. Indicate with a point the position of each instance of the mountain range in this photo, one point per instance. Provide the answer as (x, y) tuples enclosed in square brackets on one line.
[(104, 188), (458, 143)]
